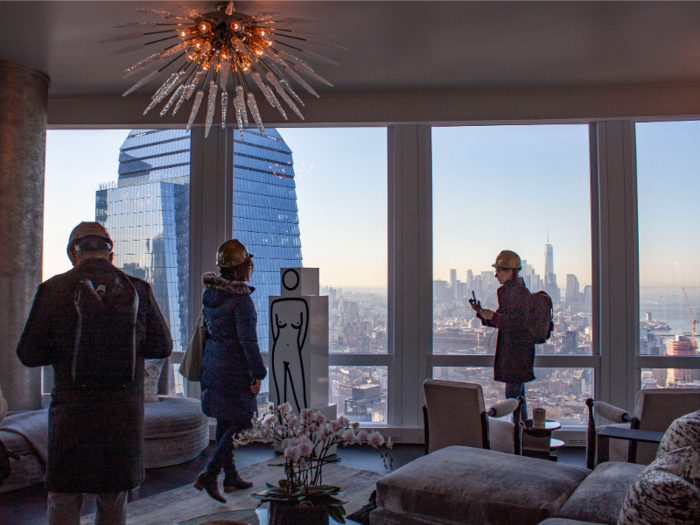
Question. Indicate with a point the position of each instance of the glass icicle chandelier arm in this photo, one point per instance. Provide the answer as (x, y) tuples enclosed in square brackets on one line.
[(224, 108), (233, 47)]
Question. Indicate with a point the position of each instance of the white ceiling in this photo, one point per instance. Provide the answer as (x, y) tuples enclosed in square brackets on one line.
[(396, 45)]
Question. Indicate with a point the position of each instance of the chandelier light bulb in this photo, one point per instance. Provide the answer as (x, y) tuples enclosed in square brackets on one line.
[(232, 45)]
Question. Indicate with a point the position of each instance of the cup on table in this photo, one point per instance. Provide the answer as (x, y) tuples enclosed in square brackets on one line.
[(539, 415)]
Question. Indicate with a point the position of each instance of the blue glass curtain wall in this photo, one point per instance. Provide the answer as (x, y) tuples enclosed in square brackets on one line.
[(147, 214)]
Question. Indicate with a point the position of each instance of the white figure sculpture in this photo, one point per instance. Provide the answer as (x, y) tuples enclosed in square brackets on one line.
[(299, 343), (289, 324)]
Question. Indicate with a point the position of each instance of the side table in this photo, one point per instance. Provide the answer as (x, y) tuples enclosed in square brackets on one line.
[(539, 443)]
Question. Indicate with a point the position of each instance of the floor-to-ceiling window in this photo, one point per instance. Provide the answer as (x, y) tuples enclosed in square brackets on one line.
[(136, 184), (668, 182), (341, 187), (525, 189)]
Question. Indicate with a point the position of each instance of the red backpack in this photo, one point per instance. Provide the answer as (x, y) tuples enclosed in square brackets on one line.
[(541, 315)]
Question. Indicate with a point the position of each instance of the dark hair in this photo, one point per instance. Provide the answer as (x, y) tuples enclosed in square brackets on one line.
[(241, 272)]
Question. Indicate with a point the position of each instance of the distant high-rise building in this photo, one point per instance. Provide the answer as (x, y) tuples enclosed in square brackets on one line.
[(462, 291), (588, 296), (453, 284), (147, 214), (470, 279), (681, 345), (439, 291), (550, 278), (536, 283), (571, 342), (572, 288), (548, 262)]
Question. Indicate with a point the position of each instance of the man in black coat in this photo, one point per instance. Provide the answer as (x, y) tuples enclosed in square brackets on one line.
[(515, 348), (95, 432)]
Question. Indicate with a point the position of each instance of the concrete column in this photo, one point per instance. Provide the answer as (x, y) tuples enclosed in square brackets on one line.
[(211, 210), (410, 321), (616, 247), (23, 103)]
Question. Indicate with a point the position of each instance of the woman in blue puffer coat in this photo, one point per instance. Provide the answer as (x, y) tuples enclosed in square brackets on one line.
[(232, 368)]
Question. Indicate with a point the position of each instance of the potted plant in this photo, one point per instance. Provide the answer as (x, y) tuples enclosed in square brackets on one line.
[(306, 441)]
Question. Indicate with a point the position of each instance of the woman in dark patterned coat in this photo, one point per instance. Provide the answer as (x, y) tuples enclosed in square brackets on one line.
[(515, 348), (232, 368)]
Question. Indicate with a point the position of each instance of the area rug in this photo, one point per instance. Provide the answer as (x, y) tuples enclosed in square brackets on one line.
[(186, 502)]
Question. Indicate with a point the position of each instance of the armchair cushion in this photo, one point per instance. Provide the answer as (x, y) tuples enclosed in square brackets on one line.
[(662, 495), (456, 485), (600, 496), (501, 435), (656, 409), (683, 432)]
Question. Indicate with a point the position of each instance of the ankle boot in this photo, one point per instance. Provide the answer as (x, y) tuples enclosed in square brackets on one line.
[(208, 481), (233, 481)]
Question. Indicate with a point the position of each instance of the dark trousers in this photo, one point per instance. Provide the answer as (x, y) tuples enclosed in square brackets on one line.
[(223, 455), (513, 390)]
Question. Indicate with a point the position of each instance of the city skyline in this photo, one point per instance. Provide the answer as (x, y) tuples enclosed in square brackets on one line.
[(78, 160)]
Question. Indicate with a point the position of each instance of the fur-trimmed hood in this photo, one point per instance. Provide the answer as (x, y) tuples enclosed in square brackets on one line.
[(211, 280)]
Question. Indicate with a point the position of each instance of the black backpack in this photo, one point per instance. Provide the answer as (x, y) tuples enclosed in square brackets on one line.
[(105, 341), (541, 315)]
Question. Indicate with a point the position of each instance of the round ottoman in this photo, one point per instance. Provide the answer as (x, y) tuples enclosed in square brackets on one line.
[(175, 431), (29, 470)]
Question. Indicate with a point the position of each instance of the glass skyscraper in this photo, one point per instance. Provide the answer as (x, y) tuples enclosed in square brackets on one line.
[(147, 214)]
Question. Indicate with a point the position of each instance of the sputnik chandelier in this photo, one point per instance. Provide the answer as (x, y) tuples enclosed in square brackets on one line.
[(210, 49)]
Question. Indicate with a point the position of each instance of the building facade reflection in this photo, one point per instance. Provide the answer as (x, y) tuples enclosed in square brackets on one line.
[(147, 214)]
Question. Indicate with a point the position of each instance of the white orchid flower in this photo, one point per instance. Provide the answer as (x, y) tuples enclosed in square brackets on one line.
[(362, 436), (305, 446), (348, 437), (292, 453), (375, 439)]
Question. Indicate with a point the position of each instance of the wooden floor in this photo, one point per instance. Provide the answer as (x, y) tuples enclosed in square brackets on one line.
[(28, 506)]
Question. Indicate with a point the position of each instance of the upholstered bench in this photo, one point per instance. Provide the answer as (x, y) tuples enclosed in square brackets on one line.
[(30, 469), (465, 485), (175, 431)]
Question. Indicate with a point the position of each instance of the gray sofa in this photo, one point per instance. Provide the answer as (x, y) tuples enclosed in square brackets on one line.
[(464, 485)]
